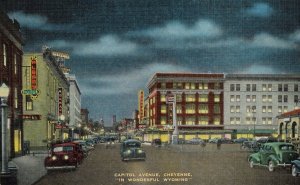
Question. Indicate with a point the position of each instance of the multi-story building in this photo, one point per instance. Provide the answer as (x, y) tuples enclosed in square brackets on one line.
[(289, 125), (198, 97), (252, 101), (75, 105), (46, 99), (11, 52)]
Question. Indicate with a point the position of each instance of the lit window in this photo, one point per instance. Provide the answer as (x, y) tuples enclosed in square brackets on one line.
[(178, 109), (163, 85), (264, 98), (203, 98), (269, 121), (253, 98), (178, 98), (16, 98), (205, 86), (269, 98), (217, 98), (237, 109), (269, 109), (190, 109), (203, 109), (264, 121), (163, 98), (264, 87), (4, 55), (29, 103), (231, 98), (269, 87), (248, 99), (15, 63), (264, 109), (232, 109), (232, 121), (203, 120), (285, 109), (238, 120), (187, 86), (190, 98), (217, 120), (190, 120), (163, 120), (192, 85), (179, 120), (248, 120), (217, 109), (163, 109), (279, 109), (238, 98)]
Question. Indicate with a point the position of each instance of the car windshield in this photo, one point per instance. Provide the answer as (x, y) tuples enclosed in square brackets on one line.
[(286, 148), (133, 144), (63, 149)]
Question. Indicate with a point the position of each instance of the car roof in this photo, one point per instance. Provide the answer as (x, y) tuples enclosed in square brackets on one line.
[(275, 144), (132, 140), (65, 144)]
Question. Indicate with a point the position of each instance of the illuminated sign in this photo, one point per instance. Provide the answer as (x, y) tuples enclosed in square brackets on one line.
[(141, 104), (60, 101), (30, 117), (30, 92), (33, 73)]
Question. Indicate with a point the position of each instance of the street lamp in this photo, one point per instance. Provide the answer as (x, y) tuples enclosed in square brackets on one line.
[(62, 119), (4, 92)]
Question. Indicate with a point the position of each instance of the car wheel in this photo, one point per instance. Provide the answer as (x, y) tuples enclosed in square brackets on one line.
[(251, 163), (271, 166), (294, 171)]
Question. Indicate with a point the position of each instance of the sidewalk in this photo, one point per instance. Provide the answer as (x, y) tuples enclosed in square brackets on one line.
[(30, 167)]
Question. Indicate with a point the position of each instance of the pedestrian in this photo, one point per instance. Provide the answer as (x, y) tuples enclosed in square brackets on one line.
[(219, 142)]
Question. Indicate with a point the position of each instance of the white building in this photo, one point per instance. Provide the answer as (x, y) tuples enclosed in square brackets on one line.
[(75, 104), (252, 101)]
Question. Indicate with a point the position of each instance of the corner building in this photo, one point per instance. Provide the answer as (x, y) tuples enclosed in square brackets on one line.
[(199, 103), (46, 100), (11, 52)]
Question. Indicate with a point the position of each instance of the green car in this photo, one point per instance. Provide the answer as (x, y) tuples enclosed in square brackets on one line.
[(132, 150), (273, 155)]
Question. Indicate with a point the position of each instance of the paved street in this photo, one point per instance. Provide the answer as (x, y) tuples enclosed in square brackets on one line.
[(184, 165)]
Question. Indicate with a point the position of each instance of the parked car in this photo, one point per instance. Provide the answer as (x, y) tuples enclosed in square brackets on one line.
[(110, 142), (296, 167), (85, 147), (181, 141), (132, 150), (213, 140), (225, 140), (156, 142), (195, 141), (64, 156), (276, 154), (240, 140), (250, 145)]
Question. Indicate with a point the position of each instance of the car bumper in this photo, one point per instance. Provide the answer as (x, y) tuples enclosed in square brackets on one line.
[(284, 165), (132, 159), (59, 167)]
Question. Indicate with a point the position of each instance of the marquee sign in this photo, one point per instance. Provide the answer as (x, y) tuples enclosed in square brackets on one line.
[(33, 74), (141, 104), (60, 109)]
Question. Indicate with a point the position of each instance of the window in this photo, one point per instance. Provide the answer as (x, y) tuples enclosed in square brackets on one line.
[(190, 109), (217, 98), (163, 85), (296, 87), (190, 120), (193, 85), (238, 120), (269, 109), (248, 87), (163, 98), (15, 63), (286, 87), (178, 98), (203, 109), (248, 98), (264, 87), (279, 98), (279, 109), (264, 98), (285, 109), (217, 109), (203, 120), (232, 109), (190, 98), (231, 98), (231, 87), (238, 87), (269, 98), (285, 98), (264, 121), (296, 99), (269, 121), (238, 98), (179, 120), (177, 85), (253, 108), (237, 109), (163, 109), (203, 98), (279, 87), (16, 98), (163, 120), (264, 109), (253, 98), (269, 87), (178, 109), (253, 87), (218, 85), (217, 120), (29, 103), (189, 86), (205, 86), (4, 55), (232, 120)]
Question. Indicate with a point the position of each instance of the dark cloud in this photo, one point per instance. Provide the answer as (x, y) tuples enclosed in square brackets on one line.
[(116, 46)]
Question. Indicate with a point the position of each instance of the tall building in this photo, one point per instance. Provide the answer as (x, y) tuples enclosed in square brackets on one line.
[(46, 99), (198, 97), (75, 105), (252, 101), (11, 52)]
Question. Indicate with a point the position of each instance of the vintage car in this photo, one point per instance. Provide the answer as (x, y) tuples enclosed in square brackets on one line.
[(156, 142), (64, 156), (271, 155), (132, 150), (296, 167)]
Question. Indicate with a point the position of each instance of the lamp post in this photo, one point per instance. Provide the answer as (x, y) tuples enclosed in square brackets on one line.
[(4, 92), (62, 119)]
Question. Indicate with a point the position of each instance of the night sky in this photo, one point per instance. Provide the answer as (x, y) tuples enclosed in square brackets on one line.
[(117, 45)]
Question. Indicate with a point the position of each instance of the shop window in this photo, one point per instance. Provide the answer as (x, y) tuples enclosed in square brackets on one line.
[(29, 103)]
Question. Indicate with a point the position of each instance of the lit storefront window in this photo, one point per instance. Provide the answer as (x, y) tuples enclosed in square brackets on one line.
[(163, 109), (163, 98)]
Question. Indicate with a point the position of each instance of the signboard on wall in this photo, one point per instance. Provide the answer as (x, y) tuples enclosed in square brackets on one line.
[(141, 104), (60, 109), (33, 73)]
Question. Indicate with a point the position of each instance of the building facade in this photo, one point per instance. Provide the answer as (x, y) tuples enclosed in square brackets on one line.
[(252, 101), (75, 105), (46, 99), (289, 125), (198, 98), (11, 52)]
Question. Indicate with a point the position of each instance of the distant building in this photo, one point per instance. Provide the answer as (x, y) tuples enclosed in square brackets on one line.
[(46, 99), (289, 125), (75, 104), (11, 52), (252, 101)]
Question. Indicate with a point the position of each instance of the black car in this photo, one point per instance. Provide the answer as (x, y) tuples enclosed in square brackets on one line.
[(156, 142), (132, 150)]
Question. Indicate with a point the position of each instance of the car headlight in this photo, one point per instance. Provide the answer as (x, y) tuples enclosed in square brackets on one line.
[(66, 157), (54, 158), (140, 151), (128, 152)]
